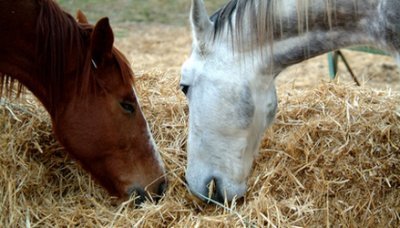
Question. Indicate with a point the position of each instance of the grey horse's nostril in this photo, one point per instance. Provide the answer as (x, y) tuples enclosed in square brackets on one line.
[(213, 192), (210, 192), (217, 192)]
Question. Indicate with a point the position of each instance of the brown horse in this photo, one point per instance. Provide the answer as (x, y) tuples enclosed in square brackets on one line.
[(86, 86)]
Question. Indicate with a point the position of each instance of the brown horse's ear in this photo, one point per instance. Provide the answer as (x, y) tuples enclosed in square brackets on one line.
[(81, 17), (102, 41)]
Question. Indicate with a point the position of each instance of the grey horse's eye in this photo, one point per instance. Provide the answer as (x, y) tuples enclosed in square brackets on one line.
[(184, 88)]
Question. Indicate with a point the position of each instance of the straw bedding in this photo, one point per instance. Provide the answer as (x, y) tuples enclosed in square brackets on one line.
[(332, 157)]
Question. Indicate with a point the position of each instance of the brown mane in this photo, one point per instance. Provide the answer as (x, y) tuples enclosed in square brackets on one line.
[(58, 33)]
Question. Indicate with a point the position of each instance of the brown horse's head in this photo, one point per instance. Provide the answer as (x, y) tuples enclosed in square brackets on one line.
[(102, 125), (87, 87)]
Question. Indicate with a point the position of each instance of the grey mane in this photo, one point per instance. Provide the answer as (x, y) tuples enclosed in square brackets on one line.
[(235, 11), (266, 24), (323, 25), (223, 16)]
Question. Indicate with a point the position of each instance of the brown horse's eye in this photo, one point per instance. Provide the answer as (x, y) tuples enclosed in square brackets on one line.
[(128, 107)]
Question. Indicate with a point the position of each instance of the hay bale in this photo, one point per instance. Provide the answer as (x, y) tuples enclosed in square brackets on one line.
[(331, 158)]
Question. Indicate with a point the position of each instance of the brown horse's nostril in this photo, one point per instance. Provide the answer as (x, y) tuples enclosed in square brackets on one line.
[(160, 191), (162, 188), (139, 194)]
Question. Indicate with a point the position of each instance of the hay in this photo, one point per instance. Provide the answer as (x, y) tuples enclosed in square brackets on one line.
[(332, 157)]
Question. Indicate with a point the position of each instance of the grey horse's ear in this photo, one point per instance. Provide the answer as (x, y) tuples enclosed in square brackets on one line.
[(201, 24)]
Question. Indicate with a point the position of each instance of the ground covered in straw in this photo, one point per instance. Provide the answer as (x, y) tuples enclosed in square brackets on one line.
[(332, 158)]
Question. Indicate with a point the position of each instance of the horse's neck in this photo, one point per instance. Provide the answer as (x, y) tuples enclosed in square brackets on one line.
[(17, 43), (304, 29)]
